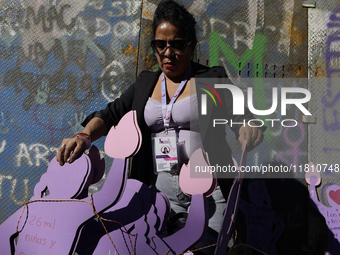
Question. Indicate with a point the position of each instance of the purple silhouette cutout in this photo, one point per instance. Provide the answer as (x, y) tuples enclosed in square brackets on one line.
[(84, 176), (140, 213), (144, 213), (331, 214), (50, 227), (230, 213)]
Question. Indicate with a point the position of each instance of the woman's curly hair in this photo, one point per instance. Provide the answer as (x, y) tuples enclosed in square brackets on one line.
[(176, 14)]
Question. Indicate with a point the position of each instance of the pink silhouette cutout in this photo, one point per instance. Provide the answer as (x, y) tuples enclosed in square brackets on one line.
[(205, 184)]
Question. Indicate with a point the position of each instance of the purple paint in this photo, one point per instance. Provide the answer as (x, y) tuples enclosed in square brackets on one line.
[(326, 100), (294, 153), (330, 54), (325, 150), (334, 17), (332, 126)]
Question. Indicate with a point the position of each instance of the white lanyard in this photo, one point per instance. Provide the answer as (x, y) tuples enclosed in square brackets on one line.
[(166, 109)]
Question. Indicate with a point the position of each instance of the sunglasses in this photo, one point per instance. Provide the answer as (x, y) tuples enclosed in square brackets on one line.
[(177, 46)]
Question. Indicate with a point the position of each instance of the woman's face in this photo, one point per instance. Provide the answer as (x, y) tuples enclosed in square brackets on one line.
[(174, 66)]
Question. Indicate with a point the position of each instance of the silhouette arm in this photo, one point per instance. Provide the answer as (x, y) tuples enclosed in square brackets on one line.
[(195, 227), (113, 187)]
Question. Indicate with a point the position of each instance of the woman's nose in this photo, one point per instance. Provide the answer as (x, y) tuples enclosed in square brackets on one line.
[(168, 52)]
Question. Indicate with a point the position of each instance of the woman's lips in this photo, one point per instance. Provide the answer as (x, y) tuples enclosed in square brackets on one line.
[(169, 65)]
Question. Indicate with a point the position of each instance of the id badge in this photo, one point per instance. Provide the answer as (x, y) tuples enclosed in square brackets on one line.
[(165, 153)]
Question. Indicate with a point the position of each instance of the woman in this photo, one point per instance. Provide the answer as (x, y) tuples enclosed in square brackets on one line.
[(174, 44)]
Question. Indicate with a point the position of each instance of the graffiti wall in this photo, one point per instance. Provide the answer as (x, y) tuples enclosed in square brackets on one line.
[(325, 70), (324, 42), (61, 60), (251, 39)]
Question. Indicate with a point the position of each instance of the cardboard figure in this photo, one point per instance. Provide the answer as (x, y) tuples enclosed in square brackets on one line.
[(144, 214), (62, 211), (230, 213), (331, 214), (76, 180), (51, 225)]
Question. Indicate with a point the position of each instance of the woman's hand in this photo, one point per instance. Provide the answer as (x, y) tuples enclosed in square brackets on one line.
[(70, 149), (253, 135)]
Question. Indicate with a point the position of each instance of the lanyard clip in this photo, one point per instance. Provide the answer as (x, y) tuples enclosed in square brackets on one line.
[(166, 127)]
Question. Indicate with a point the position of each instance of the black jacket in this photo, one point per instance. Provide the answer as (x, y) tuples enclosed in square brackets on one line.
[(213, 139)]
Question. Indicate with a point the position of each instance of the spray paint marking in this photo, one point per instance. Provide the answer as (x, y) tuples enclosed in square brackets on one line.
[(293, 153)]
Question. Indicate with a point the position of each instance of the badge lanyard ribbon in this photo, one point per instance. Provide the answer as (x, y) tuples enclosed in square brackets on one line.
[(166, 109)]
